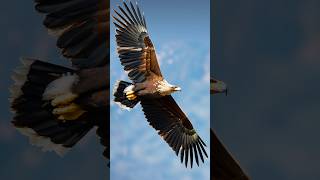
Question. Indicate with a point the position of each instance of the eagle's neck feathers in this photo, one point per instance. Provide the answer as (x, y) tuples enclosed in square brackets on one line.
[(164, 88)]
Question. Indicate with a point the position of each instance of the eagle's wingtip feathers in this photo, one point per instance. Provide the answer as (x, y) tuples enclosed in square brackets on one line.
[(43, 142)]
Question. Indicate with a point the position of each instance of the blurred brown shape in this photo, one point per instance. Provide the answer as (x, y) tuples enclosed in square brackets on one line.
[(224, 166)]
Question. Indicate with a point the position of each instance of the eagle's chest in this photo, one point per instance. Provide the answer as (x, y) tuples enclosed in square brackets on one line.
[(152, 88), (162, 88), (152, 84)]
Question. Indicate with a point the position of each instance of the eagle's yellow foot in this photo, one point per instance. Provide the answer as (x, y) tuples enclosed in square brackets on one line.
[(71, 116), (65, 109), (68, 112), (130, 95), (63, 99)]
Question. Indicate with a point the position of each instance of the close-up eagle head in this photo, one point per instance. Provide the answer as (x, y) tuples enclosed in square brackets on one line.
[(164, 88), (217, 86)]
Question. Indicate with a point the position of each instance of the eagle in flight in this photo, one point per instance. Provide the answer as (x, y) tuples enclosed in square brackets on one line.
[(223, 165), (138, 57), (56, 106)]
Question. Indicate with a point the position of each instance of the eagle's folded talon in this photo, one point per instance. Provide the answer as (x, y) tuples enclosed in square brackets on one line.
[(130, 95), (68, 112), (63, 99), (129, 92)]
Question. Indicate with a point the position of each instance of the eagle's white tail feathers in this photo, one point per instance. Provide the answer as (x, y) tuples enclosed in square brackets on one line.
[(129, 88), (119, 90), (60, 86), (115, 88)]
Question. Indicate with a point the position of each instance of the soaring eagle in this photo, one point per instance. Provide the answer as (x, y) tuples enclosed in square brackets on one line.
[(223, 165), (56, 106), (138, 57)]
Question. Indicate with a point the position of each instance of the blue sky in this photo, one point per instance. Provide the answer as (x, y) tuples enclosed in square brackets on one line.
[(182, 41)]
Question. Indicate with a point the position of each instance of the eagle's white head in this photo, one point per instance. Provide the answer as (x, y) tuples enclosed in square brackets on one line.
[(164, 88)]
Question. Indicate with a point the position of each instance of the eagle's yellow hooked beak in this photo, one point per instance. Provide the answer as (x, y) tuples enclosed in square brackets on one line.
[(177, 88)]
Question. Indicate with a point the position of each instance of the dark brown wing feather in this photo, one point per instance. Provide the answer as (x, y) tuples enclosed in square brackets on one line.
[(174, 127), (135, 49), (103, 132), (224, 166), (82, 28)]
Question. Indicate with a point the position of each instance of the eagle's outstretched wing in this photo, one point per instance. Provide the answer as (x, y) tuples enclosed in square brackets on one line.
[(224, 165), (136, 51), (82, 28), (174, 127)]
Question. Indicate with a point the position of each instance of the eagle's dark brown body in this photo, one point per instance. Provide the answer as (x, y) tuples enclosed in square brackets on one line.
[(149, 87)]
